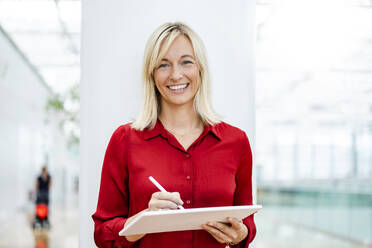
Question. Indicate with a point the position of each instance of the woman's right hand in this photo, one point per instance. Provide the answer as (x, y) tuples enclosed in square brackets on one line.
[(158, 201), (164, 200)]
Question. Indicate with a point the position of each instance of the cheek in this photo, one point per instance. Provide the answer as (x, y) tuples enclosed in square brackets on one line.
[(197, 79), (157, 83), (159, 78), (194, 75)]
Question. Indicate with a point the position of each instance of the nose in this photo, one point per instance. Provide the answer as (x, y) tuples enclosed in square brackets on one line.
[(176, 73)]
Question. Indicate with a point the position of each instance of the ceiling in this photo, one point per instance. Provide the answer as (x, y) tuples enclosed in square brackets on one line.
[(314, 63), (47, 32)]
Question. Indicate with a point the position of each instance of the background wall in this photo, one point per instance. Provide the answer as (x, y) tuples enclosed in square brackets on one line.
[(22, 133), (114, 34), (30, 135)]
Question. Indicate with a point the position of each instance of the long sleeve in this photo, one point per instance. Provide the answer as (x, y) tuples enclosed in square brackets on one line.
[(113, 199), (243, 192)]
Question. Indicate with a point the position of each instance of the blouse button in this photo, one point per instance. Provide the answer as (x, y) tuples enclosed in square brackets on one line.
[(187, 155), (188, 202), (188, 177)]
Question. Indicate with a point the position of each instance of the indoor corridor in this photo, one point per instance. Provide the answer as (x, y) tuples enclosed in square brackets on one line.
[(272, 232), (64, 232)]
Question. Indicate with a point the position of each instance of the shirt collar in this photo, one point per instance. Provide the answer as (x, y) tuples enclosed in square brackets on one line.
[(214, 130), (160, 130), (155, 131)]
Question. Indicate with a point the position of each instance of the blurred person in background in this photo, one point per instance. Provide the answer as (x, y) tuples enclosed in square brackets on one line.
[(43, 184)]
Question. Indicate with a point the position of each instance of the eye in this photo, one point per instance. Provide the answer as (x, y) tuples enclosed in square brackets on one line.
[(163, 65), (187, 62)]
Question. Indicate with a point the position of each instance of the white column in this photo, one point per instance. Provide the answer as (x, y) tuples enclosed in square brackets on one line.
[(114, 34)]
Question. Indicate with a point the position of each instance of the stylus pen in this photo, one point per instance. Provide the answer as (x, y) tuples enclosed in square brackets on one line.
[(160, 188)]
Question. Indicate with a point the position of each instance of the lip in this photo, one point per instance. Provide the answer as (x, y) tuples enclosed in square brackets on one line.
[(178, 91), (175, 85)]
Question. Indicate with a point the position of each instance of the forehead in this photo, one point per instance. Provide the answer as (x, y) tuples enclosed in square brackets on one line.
[(180, 46)]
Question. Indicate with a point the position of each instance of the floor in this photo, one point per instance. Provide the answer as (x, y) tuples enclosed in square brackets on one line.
[(17, 233), (275, 233)]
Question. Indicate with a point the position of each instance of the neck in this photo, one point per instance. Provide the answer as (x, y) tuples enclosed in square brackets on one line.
[(180, 119)]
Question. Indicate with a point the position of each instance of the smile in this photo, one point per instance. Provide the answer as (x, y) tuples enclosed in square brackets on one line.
[(179, 87)]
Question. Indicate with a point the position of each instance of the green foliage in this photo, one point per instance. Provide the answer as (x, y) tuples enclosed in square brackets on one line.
[(67, 106), (55, 103)]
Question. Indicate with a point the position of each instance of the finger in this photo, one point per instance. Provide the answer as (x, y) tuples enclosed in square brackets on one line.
[(239, 227), (155, 204), (220, 230), (177, 198), (174, 197), (220, 237), (235, 223), (227, 230)]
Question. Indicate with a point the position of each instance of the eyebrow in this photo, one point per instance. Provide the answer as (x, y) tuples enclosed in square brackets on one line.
[(183, 56)]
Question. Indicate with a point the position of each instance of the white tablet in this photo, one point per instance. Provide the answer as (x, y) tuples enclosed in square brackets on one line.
[(184, 219)]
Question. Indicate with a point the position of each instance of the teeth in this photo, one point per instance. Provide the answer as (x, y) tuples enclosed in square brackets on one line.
[(177, 87)]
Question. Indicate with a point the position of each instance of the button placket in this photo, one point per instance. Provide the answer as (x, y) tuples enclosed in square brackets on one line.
[(188, 179)]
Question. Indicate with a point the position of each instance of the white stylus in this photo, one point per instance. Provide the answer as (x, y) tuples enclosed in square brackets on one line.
[(160, 188)]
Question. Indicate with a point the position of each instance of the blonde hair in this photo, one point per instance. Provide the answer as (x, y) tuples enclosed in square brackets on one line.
[(163, 37)]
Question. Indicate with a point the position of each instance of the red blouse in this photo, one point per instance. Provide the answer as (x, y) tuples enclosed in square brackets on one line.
[(216, 170)]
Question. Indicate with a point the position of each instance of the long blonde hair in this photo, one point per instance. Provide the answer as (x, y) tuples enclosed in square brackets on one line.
[(163, 37)]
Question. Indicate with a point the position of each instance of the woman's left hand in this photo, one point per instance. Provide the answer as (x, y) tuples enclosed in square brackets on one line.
[(225, 234)]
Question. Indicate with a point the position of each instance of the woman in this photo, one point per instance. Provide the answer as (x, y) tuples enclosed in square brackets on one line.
[(179, 140)]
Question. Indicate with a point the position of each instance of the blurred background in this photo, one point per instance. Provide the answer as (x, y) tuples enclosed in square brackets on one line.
[(314, 123), (39, 119), (313, 154)]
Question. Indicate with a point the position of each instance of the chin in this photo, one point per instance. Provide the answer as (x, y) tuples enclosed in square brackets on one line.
[(180, 102)]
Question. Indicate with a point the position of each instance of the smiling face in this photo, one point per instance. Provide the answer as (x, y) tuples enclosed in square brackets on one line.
[(177, 75)]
